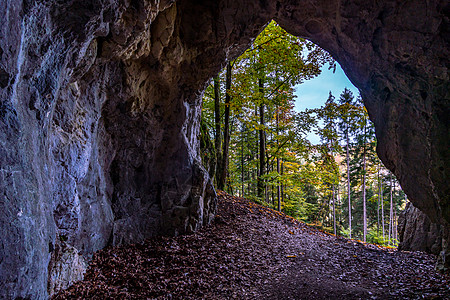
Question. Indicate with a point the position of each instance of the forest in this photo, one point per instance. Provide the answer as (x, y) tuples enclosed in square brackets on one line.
[(256, 145)]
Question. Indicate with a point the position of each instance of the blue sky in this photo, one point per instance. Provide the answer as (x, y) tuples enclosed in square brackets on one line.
[(314, 92)]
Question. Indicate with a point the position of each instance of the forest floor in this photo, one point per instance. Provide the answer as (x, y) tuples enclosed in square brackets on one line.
[(252, 252)]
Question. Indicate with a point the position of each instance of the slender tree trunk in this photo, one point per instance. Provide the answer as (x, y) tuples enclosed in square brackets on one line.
[(217, 135), (282, 184), (394, 215), (278, 167), (378, 201), (364, 189), (226, 131), (339, 202), (242, 160), (278, 185), (250, 160), (272, 192), (327, 212), (391, 215), (270, 195), (253, 184), (395, 227), (334, 210), (257, 152), (348, 185), (382, 210), (249, 180), (262, 145)]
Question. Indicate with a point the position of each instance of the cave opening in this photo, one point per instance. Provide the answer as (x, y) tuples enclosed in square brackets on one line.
[(99, 143), (281, 127)]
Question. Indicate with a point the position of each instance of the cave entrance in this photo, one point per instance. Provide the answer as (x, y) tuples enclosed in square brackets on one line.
[(274, 131), (100, 110)]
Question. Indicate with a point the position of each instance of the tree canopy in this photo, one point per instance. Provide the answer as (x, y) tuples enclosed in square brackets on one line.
[(256, 145)]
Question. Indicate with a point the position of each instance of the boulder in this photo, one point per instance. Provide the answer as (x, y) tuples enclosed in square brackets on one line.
[(66, 266), (417, 233)]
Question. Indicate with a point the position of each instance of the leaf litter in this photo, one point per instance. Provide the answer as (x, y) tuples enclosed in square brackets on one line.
[(253, 252)]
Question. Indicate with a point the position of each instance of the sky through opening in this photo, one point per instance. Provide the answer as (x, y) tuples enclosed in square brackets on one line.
[(314, 92)]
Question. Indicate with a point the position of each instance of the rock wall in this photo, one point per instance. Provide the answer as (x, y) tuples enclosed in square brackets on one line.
[(417, 233), (100, 105)]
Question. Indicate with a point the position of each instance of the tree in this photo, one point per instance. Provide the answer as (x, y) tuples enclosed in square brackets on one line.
[(330, 139), (347, 116), (264, 77), (363, 150), (223, 165), (257, 144), (391, 210), (217, 121), (262, 143)]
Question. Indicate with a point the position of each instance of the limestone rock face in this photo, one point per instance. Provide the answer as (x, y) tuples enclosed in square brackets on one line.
[(417, 232), (100, 105), (66, 267)]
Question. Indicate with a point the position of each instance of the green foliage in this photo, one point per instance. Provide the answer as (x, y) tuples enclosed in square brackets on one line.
[(310, 178), (376, 237)]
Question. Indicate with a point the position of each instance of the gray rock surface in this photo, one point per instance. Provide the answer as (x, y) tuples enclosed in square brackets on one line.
[(417, 233), (66, 266), (100, 105)]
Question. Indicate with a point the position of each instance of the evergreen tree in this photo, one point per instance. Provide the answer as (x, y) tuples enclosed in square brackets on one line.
[(346, 126), (256, 144)]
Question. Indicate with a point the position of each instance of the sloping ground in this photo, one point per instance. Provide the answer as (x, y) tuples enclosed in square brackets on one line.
[(251, 252)]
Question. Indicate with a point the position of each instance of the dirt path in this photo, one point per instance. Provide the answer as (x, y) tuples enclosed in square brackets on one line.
[(251, 252)]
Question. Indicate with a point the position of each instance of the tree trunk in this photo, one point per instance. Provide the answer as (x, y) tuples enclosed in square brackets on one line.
[(382, 210), (278, 185), (250, 159), (278, 168), (257, 150), (262, 145), (226, 132), (378, 201), (217, 135), (339, 201), (253, 191), (348, 185), (242, 160), (282, 185), (334, 210), (391, 215), (364, 190), (273, 195), (394, 231), (395, 227)]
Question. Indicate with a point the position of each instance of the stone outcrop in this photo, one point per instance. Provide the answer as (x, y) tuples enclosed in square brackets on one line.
[(66, 266), (417, 233), (100, 106)]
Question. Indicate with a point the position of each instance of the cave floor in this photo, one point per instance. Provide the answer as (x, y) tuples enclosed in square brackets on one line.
[(252, 252)]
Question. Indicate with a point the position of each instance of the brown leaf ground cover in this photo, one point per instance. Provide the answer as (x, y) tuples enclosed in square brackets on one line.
[(252, 252)]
